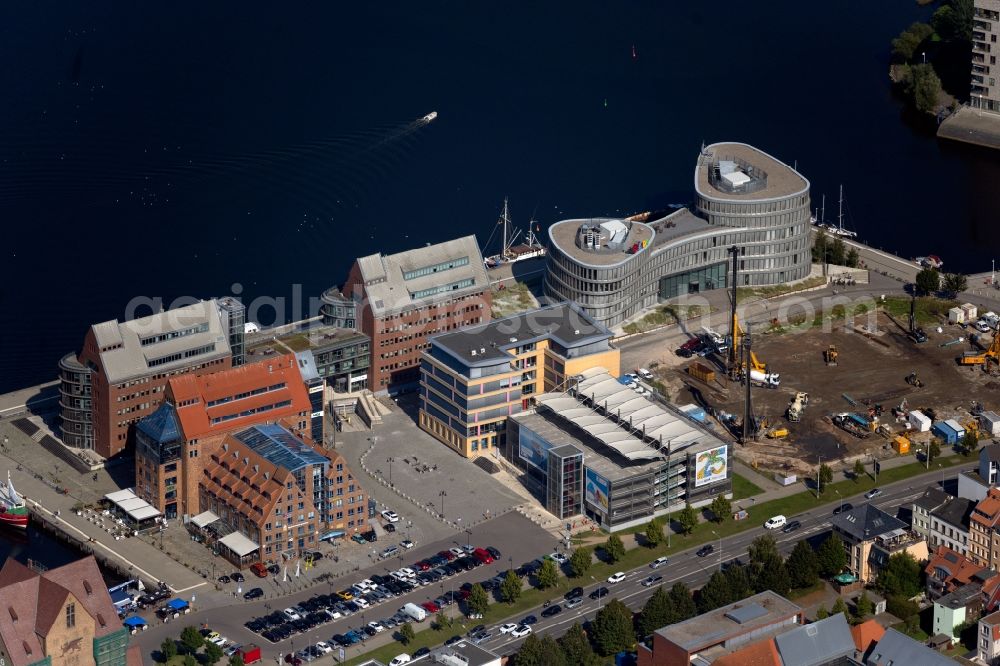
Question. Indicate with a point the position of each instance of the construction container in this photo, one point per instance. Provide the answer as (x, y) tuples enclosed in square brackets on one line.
[(702, 372), (956, 316), (920, 421), (693, 412), (950, 431), (989, 422), (970, 311), (901, 445)]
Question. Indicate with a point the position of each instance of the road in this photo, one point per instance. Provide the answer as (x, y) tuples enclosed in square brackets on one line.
[(684, 566), (693, 571)]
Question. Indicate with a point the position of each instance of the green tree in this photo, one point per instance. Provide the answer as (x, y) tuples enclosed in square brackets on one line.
[(770, 574), (168, 648), (189, 660), (537, 651), (853, 258), (802, 566), (953, 21), (832, 556), (838, 252), (935, 450), (687, 519), (236, 660), (654, 533), (510, 589), (820, 247), (825, 476), (859, 469), (614, 549), (738, 578), (954, 283), (763, 549), (613, 628), (682, 602), (904, 46), (547, 576), (900, 575), (406, 633), (656, 612), (441, 621), (721, 509), (714, 593), (192, 639), (576, 647), (970, 442), (478, 601), (901, 607), (580, 561), (822, 613), (864, 607), (839, 607), (928, 281), (213, 653)]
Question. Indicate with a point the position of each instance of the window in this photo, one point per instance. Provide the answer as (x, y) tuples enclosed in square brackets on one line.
[(70, 616)]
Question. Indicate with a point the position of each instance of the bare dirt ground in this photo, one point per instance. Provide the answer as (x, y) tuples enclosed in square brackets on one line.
[(870, 372)]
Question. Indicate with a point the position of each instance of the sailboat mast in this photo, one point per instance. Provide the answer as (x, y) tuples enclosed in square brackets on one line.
[(822, 211), (840, 211), (506, 222)]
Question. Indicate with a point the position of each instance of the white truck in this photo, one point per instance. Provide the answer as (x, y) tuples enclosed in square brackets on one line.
[(414, 612), (770, 379)]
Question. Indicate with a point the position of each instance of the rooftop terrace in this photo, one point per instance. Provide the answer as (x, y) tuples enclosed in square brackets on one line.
[(780, 180)]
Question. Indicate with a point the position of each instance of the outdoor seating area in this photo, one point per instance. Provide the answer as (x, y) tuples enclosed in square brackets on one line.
[(131, 511)]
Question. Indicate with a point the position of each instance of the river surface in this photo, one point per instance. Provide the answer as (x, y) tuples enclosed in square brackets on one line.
[(42, 548), (201, 149)]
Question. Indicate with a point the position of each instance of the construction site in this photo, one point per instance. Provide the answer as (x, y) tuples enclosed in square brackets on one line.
[(873, 388)]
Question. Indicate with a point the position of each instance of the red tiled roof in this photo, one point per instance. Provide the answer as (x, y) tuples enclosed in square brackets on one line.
[(987, 511), (960, 568), (762, 653), (866, 633), (195, 419)]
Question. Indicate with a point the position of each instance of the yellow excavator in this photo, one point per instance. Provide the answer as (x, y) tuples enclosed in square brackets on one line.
[(992, 354)]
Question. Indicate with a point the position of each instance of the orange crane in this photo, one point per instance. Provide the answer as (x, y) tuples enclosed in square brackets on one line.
[(980, 358)]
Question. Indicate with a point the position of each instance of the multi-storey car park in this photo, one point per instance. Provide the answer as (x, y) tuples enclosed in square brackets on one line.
[(744, 198)]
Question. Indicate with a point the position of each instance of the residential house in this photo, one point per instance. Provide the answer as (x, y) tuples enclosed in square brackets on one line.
[(827, 641), (984, 530), (896, 649), (950, 525), (871, 536), (957, 607), (975, 484), (948, 570), (932, 498), (866, 635), (988, 639)]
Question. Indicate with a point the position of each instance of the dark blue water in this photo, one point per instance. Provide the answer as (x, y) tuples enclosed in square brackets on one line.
[(176, 151), (38, 546)]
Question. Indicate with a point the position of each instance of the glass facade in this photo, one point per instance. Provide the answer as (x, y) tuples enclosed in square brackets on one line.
[(692, 282), (564, 482)]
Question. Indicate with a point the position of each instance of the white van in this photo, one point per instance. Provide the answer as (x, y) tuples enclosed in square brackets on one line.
[(414, 612), (775, 522)]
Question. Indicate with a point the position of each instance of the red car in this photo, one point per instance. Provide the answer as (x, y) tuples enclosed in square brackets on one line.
[(464, 594), (482, 555), (430, 607), (422, 565), (448, 555), (259, 570)]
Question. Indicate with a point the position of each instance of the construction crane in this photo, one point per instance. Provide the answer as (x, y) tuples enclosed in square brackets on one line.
[(830, 355), (917, 334), (992, 353)]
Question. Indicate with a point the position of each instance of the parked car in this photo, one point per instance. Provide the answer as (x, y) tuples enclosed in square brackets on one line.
[(644, 373), (253, 593), (237, 577), (258, 569), (406, 543), (291, 614), (558, 558), (554, 609), (389, 527), (390, 516), (223, 579), (529, 619), (400, 659)]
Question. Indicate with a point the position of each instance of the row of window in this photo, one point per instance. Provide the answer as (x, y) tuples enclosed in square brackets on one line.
[(198, 351), (171, 335), (436, 268), (442, 288), (249, 412), (246, 394)]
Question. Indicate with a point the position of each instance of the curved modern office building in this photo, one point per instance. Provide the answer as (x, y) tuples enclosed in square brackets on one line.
[(616, 268)]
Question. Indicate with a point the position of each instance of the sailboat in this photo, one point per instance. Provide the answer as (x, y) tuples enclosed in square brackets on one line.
[(839, 230), (510, 250), (13, 511)]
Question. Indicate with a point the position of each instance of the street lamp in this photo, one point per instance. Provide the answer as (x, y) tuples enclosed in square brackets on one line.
[(442, 495), (390, 460), (924, 54), (469, 540)]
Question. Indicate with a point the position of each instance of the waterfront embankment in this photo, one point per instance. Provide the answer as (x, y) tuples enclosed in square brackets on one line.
[(973, 126)]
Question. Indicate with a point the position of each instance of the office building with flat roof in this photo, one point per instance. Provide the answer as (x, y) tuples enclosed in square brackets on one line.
[(744, 198), (725, 629), (984, 92), (402, 299), (169, 443), (341, 356), (620, 457), (121, 374), (473, 379)]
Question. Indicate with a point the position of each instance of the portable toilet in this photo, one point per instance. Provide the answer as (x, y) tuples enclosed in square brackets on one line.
[(956, 316), (901, 445), (920, 421), (990, 423), (970, 311)]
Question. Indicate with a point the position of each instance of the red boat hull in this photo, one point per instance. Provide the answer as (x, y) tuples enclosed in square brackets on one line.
[(14, 519)]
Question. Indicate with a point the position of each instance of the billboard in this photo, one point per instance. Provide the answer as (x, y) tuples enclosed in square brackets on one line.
[(710, 466), (597, 490), (533, 449)]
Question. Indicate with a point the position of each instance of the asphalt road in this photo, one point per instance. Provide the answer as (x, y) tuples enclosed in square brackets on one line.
[(693, 571)]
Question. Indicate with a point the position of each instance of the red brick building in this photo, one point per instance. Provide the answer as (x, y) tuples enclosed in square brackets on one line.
[(409, 296), (121, 374), (61, 617), (169, 443)]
